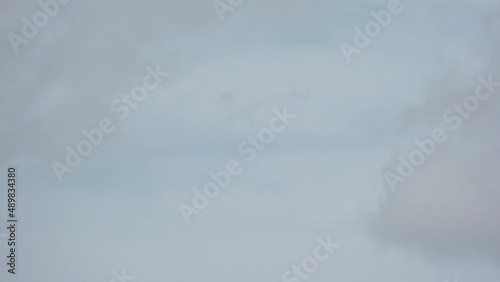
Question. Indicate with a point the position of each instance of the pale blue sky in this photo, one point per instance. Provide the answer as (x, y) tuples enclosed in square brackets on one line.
[(322, 175)]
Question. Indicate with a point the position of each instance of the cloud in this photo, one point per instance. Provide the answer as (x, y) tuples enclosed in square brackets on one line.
[(450, 205), (119, 209)]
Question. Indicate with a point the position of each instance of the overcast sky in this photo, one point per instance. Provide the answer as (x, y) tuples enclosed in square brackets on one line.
[(229, 72)]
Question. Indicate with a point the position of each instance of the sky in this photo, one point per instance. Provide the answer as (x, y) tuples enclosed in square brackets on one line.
[(217, 74)]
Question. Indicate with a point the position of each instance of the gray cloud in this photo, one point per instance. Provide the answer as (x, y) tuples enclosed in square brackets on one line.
[(119, 208), (450, 205)]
